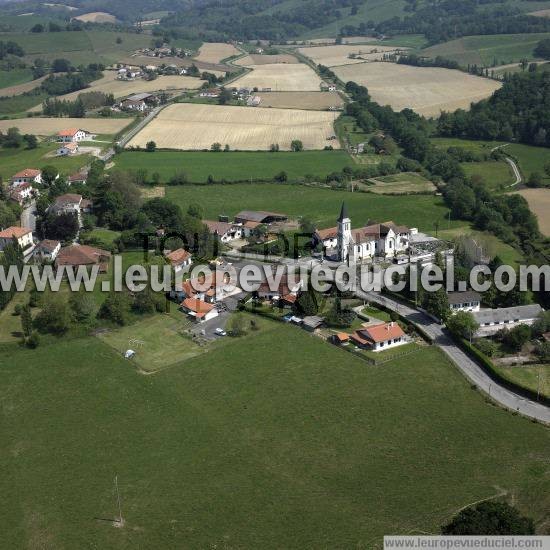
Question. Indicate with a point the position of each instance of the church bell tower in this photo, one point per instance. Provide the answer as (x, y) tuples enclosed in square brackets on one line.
[(346, 248)]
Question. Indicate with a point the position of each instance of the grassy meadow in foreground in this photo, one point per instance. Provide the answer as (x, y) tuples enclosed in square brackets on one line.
[(304, 447), (320, 205)]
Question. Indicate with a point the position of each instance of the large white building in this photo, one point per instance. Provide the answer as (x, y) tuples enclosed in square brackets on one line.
[(354, 245), (23, 236)]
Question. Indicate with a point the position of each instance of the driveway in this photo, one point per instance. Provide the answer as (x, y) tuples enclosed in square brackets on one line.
[(28, 218)]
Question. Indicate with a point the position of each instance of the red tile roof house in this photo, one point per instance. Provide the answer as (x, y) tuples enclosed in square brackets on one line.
[(79, 254), (23, 235), (28, 175), (380, 337), (213, 288), (179, 259), (225, 231), (72, 135), (77, 178), (199, 310)]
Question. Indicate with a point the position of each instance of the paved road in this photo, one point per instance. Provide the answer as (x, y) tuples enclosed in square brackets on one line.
[(516, 171), (468, 367), (28, 218)]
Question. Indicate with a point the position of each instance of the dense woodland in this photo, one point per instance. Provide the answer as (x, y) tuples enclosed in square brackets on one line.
[(519, 111)]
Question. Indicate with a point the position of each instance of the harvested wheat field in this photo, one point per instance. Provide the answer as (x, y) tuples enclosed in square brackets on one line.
[(332, 56), (426, 90), (256, 59), (48, 126), (281, 78), (214, 52), (96, 17), (189, 126), (317, 101), (539, 203)]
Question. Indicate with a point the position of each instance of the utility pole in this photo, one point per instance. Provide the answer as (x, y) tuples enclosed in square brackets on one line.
[(120, 520)]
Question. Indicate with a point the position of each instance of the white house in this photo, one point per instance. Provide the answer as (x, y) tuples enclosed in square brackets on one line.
[(47, 250), (200, 311), (180, 259), (21, 193), (492, 320), (133, 105), (464, 301), (354, 245), (23, 235), (226, 232), (72, 135), (70, 148), (71, 203), (380, 337), (28, 175)]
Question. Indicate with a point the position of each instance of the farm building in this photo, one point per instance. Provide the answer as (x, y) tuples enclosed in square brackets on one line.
[(492, 320), (224, 231), (70, 148), (131, 105), (259, 217), (68, 135), (47, 250), (79, 177), (464, 301)]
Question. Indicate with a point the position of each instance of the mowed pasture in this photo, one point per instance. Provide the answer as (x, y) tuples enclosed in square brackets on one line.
[(236, 165), (403, 183), (191, 126), (281, 77), (539, 203), (214, 52), (240, 447), (256, 59), (488, 50), (426, 90), (48, 126), (332, 56), (317, 101)]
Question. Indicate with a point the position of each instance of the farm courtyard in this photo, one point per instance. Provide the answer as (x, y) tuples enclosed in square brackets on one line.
[(305, 447), (190, 126)]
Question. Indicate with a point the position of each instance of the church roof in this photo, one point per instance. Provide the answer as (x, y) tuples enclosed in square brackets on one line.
[(343, 213)]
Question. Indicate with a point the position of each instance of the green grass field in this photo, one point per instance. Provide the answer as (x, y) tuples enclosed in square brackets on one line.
[(13, 160), (16, 106), (82, 47), (528, 377), (14, 77), (236, 165), (488, 50), (497, 175), (403, 182), (318, 204), (303, 447), (531, 159)]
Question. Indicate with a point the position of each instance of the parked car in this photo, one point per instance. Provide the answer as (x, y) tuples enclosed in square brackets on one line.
[(220, 332)]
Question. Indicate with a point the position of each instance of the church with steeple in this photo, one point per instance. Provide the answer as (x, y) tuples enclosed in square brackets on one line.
[(347, 245)]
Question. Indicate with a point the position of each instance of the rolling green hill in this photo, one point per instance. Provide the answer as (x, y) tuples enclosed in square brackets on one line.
[(488, 50)]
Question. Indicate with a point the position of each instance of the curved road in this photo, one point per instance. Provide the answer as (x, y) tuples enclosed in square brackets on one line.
[(469, 368)]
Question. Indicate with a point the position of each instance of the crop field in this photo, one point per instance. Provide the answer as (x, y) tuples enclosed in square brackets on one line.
[(214, 52), (13, 78), (321, 205), (426, 90), (531, 159), (406, 182), (234, 166), (222, 439), (50, 125), (283, 77), (190, 126), (256, 59), (96, 17), (539, 202), (332, 56), (17, 89), (317, 101), (488, 50)]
